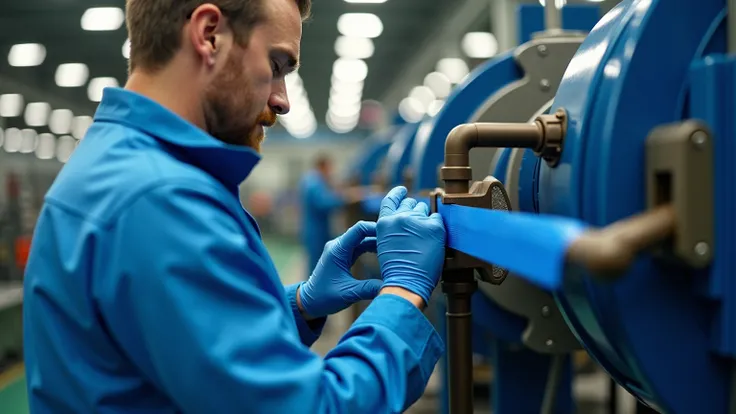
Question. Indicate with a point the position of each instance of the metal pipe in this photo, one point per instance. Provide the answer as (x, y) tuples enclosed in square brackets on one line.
[(552, 15), (489, 135), (554, 379), (458, 286)]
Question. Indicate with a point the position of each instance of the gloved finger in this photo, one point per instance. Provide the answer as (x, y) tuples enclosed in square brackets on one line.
[(358, 232), (421, 208), (368, 245), (391, 202), (368, 289), (407, 205)]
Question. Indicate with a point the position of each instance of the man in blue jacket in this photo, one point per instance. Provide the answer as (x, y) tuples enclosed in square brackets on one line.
[(318, 202), (148, 288)]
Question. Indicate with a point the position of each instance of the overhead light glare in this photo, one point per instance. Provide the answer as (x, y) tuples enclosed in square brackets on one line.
[(37, 114), (365, 1), (360, 25), (97, 86), (71, 75), (439, 84), (337, 99), (102, 19), (26, 55), (411, 109), (13, 139), (354, 47), (423, 94), (350, 70), (80, 126), (454, 68), (11, 105), (60, 121), (46, 146), (435, 107), (126, 49), (29, 141), (480, 45), (560, 3), (64, 148)]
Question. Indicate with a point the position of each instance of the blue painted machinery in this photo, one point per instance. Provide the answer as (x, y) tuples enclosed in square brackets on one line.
[(519, 326), (605, 203)]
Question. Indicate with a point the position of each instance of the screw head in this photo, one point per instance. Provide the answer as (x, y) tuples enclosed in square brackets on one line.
[(544, 84), (542, 50), (701, 249), (549, 342), (699, 138), (546, 311)]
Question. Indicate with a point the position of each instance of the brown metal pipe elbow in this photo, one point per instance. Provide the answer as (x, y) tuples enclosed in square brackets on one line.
[(458, 144)]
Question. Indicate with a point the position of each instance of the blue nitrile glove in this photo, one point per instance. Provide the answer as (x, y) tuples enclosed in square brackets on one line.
[(411, 244), (331, 287)]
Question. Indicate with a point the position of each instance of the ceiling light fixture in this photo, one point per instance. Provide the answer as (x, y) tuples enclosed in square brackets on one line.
[(350, 70), (354, 47), (26, 55), (11, 105), (60, 121), (126, 49), (46, 146), (480, 45), (97, 86), (360, 25), (454, 68), (80, 126), (103, 19), (71, 75), (37, 114)]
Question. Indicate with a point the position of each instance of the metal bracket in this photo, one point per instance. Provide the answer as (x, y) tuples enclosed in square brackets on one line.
[(679, 171), (488, 194)]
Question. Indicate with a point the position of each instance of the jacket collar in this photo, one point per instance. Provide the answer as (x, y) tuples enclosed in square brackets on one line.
[(229, 163)]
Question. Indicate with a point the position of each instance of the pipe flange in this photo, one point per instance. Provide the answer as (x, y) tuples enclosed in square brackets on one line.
[(553, 132)]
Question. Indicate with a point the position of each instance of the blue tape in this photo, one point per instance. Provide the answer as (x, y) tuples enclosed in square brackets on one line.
[(530, 245)]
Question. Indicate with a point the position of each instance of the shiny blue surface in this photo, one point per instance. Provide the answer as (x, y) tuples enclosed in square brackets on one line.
[(371, 157), (463, 102), (399, 154), (148, 289), (649, 329)]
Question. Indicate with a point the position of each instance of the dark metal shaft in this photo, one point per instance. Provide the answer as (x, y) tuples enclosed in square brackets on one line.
[(458, 286)]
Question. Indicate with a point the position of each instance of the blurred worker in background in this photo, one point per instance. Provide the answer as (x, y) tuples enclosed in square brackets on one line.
[(148, 287), (318, 201)]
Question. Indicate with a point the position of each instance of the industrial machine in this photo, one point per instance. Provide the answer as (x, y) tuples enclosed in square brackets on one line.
[(609, 202), (518, 327)]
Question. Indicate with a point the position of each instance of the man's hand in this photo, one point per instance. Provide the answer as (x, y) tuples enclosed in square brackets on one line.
[(332, 288), (411, 245)]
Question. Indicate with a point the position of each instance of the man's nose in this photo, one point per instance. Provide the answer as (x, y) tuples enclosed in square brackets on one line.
[(279, 103)]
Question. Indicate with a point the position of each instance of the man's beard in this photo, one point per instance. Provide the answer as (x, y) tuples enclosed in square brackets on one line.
[(229, 103)]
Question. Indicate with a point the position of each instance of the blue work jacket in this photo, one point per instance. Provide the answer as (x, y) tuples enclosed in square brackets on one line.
[(148, 289)]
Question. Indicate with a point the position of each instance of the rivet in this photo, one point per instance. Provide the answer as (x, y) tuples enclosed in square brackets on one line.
[(701, 249)]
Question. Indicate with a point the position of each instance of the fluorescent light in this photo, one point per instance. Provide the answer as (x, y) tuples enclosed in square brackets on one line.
[(46, 146), (365, 1), (559, 3), (350, 70), (60, 121), (11, 105), (102, 19), (435, 107), (71, 75), (354, 47), (13, 139), (80, 126), (97, 86), (439, 83), (411, 110), (64, 148), (340, 86), (359, 25), (337, 99), (341, 125), (26, 55), (29, 141), (126, 49), (346, 110), (454, 68), (480, 45), (423, 94), (37, 114)]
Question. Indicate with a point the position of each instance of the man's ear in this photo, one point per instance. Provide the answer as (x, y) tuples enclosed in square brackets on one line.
[(205, 30)]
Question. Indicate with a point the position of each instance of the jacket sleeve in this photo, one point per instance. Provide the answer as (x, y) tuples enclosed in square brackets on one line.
[(308, 332), (195, 309)]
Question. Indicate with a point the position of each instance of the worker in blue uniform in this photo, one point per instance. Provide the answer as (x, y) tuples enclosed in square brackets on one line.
[(148, 287), (319, 200)]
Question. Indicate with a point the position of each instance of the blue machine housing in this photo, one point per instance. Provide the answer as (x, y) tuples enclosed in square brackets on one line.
[(371, 157), (651, 331)]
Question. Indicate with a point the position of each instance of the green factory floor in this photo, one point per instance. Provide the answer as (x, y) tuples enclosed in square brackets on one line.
[(13, 397)]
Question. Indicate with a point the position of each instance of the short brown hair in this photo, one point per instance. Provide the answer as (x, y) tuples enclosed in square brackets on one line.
[(154, 26)]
